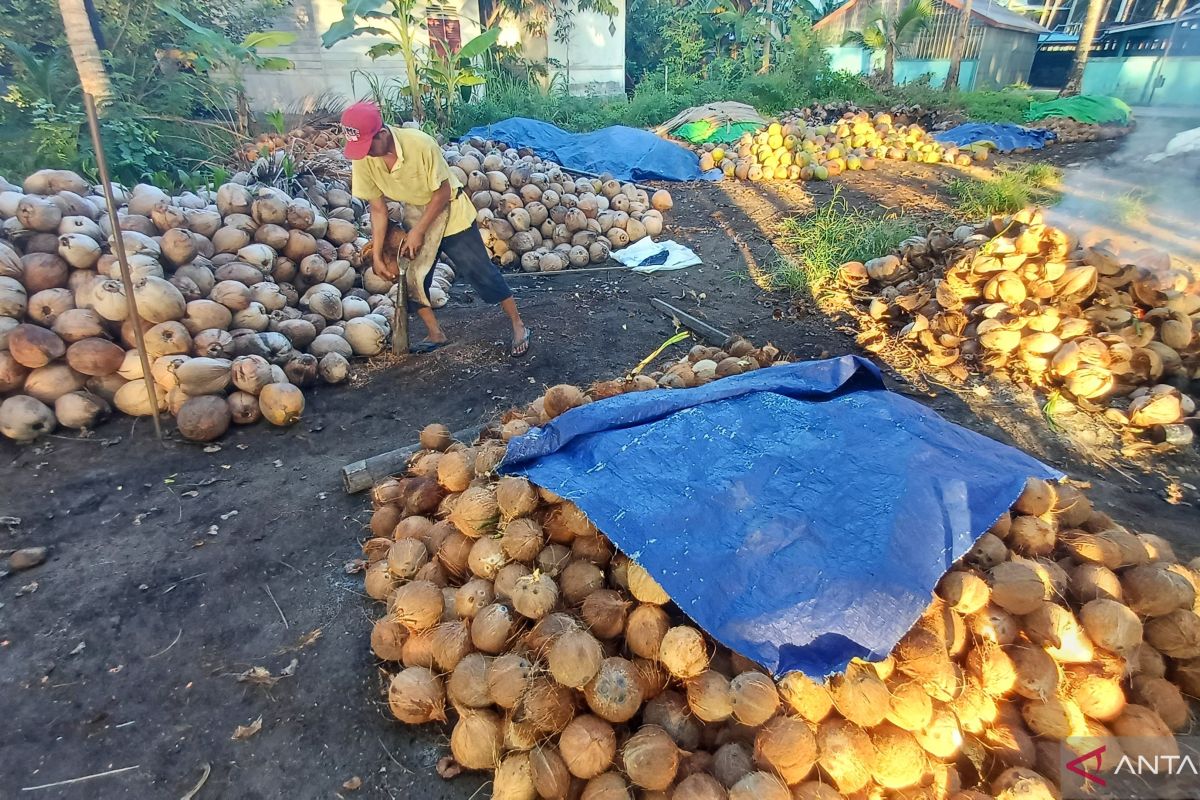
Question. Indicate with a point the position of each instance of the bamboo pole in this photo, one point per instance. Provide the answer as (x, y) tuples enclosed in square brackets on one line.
[(89, 104)]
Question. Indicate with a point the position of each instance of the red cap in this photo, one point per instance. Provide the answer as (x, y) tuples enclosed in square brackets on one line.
[(361, 122)]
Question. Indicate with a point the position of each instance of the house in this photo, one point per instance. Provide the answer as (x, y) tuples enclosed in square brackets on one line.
[(586, 55), (1156, 62), (999, 48)]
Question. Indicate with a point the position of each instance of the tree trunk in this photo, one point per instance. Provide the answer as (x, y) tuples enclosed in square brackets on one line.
[(889, 64), (959, 47), (766, 55), (93, 76), (1086, 36)]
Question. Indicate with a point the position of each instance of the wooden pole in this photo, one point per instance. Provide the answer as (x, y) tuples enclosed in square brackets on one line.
[(400, 323), (89, 104), (367, 472), (710, 334)]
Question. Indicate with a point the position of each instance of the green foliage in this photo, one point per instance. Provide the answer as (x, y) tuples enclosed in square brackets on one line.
[(1005, 191), (396, 20), (451, 77), (277, 120), (819, 243)]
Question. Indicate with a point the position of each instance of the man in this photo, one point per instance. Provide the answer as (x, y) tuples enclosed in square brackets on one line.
[(406, 165)]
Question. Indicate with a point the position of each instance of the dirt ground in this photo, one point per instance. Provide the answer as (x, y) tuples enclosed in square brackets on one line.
[(174, 568)]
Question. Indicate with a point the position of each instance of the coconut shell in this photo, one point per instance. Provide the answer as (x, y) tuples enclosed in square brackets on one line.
[(1176, 635), (846, 754), (587, 745), (615, 693), (476, 740), (417, 696), (809, 699), (670, 711), (1154, 590), (787, 747), (1037, 674), (1142, 733)]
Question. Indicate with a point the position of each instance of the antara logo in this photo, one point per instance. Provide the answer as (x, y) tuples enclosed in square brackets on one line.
[(351, 134), (1076, 765)]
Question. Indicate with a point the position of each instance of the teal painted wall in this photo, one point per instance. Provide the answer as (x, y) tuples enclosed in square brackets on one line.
[(1132, 79), (862, 62)]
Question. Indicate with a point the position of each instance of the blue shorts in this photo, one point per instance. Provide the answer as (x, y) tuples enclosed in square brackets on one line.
[(473, 264)]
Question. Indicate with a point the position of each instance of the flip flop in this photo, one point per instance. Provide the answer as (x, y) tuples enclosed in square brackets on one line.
[(525, 341), (425, 346)]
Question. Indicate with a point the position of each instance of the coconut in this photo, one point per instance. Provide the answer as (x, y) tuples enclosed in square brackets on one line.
[(1111, 625), (507, 577), (476, 740), (1163, 698), (378, 582), (417, 606), (1036, 672), (552, 559), (754, 697), (994, 624), (609, 786), (1096, 690), (1089, 582), (988, 551), (650, 758), (492, 627), (281, 403), (34, 346), (859, 695), (515, 497), (565, 522), (435, 437), (731, 762), (80, 410), (416, 696), (614, 694), (652, 678), (24, 418), (203, 418), (52, 381), (472, 596), (1020, 783), (709, 696), (534, 596), (94, 356), (702, 786), (522, 539), (579, 579), (942, 738), (990, 665), (604, 611), (486, 557), (596, 549), (898, 762), (574, 658), (966, 592), (1142, 734), (1154, 590), (1176, 635), (1157, 548), (683, 652), (1056, 629), (387, 639), (1016, 587), (846, 754), (468, 684), (669, 710), (513, 779), (406, 557), (414, 527), (644, 588), (475, 512), (507, 679), (551, 778), (787, 747), (1031, 536), (587, 746), (546, 706), (806, 697)]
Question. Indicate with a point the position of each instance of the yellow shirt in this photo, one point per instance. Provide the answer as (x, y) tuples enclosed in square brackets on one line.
[(419, 170)]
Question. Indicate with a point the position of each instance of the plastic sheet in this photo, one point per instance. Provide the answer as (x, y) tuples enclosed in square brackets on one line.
[(629, 154), (1094, 109), (800, 514), (1005, 136)]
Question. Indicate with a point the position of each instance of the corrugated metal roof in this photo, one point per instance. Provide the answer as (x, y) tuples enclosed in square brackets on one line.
[(989, 13), (1193, 15)]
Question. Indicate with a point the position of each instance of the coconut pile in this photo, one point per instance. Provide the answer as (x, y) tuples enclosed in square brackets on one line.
[(1069, 130), (536, 217), (803, 150), (566, 672), (247, 296), (1105, 325), (307, 140)]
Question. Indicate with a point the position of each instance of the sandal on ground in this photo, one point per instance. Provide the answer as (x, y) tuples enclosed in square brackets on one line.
[(524, 343), (426, 346)]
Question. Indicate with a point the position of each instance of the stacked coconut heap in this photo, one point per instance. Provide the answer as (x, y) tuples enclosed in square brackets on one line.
[(568, 673), (804, 151), (248, 295), (1069, 130), (308, 139), (537, 216), (1020, 296)]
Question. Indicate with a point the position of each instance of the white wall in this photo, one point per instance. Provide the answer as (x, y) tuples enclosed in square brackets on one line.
[(319, 71), (593, 60)]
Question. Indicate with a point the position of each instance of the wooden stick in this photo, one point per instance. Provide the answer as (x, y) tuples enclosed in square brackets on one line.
[(277, 608), (400, 324), (85, 777), (714, 336), (366, 473), (139, 337)]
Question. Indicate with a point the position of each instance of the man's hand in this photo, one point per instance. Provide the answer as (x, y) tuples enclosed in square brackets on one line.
[(383, 269), (412, 243)]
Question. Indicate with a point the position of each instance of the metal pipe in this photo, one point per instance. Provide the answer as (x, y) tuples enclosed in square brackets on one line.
[(89, 104)]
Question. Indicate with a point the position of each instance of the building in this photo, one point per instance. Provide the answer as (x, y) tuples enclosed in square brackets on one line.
[(587, 58), (1149, 63), (999, 49)]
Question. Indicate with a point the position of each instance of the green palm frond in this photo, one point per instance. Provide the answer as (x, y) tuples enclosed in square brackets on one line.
[(913, 18), (875, 37)]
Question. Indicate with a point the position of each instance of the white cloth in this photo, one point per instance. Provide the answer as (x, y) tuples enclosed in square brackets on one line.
[(1186, 142), (677, 256)]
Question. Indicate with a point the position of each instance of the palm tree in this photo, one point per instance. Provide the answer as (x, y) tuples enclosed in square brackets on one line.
[(1091, 22), (93, 76), (890, 34), (960, 44)]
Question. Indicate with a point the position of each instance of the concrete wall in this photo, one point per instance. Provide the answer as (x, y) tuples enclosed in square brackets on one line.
[(862, 62), (319, 71), (592, 59), (1005, 58), (1146, 80)]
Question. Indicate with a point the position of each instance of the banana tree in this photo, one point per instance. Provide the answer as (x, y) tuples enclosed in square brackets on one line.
[(450, 74), (210, 49), (889, 34), (395, 20)]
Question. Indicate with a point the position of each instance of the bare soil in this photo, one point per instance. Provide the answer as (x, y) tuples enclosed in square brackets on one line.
[(174, 568)]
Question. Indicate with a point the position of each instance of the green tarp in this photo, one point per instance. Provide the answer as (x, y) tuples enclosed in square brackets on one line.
[(705, 130), (1093, 109)]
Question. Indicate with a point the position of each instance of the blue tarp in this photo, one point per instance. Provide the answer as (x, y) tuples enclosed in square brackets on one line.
[(1006, 136), (629, 154), (800, 514)]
